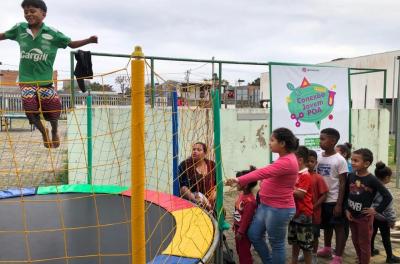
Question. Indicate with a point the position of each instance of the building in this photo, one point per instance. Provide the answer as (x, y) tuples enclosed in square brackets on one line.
[(9, 79)]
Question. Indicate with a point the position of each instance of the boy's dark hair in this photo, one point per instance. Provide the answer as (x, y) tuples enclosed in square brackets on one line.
[(34, 3), (365, 153), (345, 148), (251, 185), (382, 171), (302, 152), (331, 132), (283, 134), (312, 153)]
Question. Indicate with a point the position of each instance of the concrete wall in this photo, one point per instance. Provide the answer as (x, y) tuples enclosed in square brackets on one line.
[(370, 129), (244, 141)]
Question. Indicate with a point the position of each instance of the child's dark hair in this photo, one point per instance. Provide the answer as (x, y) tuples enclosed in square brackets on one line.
[(345, 148), (283, 134), (365, 153), (312, 153), (34, 3), (251, 185), (302, 152), (332, 133), (382, 171)]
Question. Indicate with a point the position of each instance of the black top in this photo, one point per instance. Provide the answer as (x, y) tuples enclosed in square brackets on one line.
[(362, 191), (189, 177)]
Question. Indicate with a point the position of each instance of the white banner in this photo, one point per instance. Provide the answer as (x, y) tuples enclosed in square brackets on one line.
[(307, 99)]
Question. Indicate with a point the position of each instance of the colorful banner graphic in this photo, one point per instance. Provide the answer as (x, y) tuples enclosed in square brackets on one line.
[(307, 99)]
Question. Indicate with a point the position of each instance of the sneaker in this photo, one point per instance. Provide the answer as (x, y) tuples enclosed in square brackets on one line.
[(336, 260), (393, 259), (300, 258), (325, 252), (314, 259), (374, 252)]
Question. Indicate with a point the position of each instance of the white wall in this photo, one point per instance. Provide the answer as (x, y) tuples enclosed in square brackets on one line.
[(374, 81)]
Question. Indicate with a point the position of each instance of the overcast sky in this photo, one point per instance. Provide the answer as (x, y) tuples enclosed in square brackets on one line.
[(304, 31)]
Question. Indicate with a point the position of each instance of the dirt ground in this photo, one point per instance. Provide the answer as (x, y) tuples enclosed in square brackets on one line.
[(25, 162), (349, 255)]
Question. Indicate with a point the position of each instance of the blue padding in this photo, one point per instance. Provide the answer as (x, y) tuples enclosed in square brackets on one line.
[(167, 259), (17, 192)]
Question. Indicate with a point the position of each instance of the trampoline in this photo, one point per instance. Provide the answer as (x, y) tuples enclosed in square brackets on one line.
[(83, 228)]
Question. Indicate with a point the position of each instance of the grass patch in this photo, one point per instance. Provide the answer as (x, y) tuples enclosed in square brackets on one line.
[(62, 176)]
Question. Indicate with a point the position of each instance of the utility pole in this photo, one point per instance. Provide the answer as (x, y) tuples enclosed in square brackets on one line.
[(187, 77)]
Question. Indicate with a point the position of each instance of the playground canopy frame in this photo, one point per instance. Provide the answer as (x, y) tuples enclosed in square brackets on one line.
[(216, 95)]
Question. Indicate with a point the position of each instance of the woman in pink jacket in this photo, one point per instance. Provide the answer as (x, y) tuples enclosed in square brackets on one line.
[(277, 205)]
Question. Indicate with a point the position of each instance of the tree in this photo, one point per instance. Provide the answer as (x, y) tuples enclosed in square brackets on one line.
[(124, 83), (256, 82), (95, 86)]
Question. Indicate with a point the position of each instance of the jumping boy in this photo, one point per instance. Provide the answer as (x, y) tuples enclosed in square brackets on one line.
[(38, 45), (333, 168)]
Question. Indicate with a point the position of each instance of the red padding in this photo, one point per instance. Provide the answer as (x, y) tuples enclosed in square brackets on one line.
[(169, 202)]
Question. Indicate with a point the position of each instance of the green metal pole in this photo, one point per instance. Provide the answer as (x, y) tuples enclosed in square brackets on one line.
[(218, 159), (220, 83), (89, 137), (218, 162), (350, 101), (72, 84), (153, 88)]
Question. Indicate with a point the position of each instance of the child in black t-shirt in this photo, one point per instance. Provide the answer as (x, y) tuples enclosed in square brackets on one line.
[(362, 187)]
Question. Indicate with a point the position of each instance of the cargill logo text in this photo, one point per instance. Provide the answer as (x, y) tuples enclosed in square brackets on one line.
[(35, 55)]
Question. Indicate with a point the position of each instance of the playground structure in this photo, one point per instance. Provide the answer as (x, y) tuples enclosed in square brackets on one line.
[(102, 197)]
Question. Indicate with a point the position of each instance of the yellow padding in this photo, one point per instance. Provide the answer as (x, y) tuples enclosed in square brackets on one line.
[(194, 234)]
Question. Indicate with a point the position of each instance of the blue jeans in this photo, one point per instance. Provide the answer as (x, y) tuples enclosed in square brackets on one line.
[(273, 222)]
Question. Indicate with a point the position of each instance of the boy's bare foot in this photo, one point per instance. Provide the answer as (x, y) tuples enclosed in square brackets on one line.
[(46, 139), (55, 139)]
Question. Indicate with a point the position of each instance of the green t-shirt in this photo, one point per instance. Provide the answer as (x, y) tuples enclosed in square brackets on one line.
[(37, 53)]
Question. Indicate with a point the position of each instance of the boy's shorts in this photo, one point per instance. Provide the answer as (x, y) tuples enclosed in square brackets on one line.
[(316, 231), (40, 99), (328, 220), (301, 233)]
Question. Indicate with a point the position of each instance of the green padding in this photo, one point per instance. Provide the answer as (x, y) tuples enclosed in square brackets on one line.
[(82, 188)]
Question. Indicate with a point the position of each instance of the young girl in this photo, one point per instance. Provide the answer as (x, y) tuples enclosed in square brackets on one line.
[(362, 187), (277, 205), (345, 151), (245, 208), (387, 219)]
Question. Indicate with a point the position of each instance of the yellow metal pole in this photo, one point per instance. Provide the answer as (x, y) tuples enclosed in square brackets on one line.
[(138, 245)]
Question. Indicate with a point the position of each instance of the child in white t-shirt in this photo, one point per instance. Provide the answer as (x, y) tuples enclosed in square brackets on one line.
[(333, 168)]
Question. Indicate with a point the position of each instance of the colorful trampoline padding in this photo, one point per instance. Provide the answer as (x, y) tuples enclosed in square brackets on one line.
[(195, 230)]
